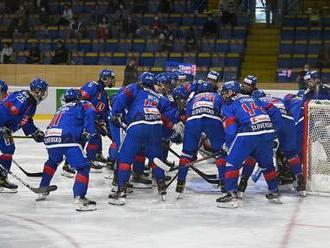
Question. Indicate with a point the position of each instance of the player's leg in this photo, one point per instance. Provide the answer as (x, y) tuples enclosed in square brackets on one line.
[(138, 178), (213, 129), (94, 149), (264, 157), (7, 149), (127, 151), (55, 156), (153, 148), (78, 160), (240, 149), (248, 167), (192, 133)]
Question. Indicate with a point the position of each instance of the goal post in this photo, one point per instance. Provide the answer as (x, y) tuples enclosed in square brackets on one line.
[(317, 146)]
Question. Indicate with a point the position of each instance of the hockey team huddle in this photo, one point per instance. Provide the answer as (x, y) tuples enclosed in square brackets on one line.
[(234, 124)]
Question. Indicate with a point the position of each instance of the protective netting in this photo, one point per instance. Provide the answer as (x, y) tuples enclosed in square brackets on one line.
[(317, 146)]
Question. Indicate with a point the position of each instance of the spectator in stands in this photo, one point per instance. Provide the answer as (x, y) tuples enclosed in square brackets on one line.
[(300, 79), (166, 39), (155, 26), (97, 14), (210, 27), (324, 57), (103, 27), (165, 6), (190, 38), (228, 10), (139, 6), (21, 12), (43, 16), (7, 54), (22, 29), (76, 28), (66, 16), (61, 54), (130, 73), (120, 14), (34, 55), (129, 27)]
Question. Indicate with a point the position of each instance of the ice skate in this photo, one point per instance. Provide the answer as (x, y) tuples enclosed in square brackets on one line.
[(6, 186), (179, 188), (118, 198), (109, 169), (42, 196), (161, 189), (274, 197), (228, 201), (84, 204), (96, 167), (67, 171), (139, 181), (301, 186)]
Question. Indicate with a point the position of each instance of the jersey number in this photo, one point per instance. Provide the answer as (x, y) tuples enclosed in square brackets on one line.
[(250, 108), (56, 119), (100, 106)]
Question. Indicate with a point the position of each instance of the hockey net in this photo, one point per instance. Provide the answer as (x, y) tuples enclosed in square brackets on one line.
[(317, 146)]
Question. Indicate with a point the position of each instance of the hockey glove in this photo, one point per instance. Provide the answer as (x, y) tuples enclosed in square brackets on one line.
[(85, 136), (116, 120), (102, 128), (5, 132), (38, 136)]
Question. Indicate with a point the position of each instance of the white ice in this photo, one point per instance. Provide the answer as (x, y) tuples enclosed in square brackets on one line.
[(145, 221)]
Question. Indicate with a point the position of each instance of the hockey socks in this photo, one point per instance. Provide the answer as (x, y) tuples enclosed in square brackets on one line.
[(157, 172), (295, 165), (248, 167), (48, 173), (271, 179), (123, 173), (138, 164), (81, 182), (183, 169), (5, 160), (221, 165)]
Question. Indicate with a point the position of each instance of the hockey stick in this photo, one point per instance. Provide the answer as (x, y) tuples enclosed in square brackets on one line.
[(28, 174), (202, 174), (172, 180), (33, 189), (164, 166)]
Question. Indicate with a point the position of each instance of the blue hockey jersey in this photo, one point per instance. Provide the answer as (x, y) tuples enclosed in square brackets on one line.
[(17, 111), (295, 106), (243, 117), (320, 92), (206, 104), (68, 124), (94, 92), (145, 106)]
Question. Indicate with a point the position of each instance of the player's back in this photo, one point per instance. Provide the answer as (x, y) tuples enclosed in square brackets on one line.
[(206, 104), (250, 116), (68, 123)]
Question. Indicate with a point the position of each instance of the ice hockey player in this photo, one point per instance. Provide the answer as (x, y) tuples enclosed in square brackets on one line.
[(3, 90), (249, 131), (315, 89), (284, 125), (248, 85), (72, 125), (318, 91), (203, 112), (145, 117), (16, 112), (96, 94)]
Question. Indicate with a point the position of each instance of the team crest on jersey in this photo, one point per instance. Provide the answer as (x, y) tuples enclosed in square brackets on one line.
[(204, 104), (100, 106)]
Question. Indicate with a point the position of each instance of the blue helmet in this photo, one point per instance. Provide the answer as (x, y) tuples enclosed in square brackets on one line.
[(258, 94), (163, 78), (181, 75), (204, 86), (231, 85), (147, 78), (71, 95), (38, 84), (105, 74), (3, 86), (213, 75), (251, 80), (311, 75), (179, 93)]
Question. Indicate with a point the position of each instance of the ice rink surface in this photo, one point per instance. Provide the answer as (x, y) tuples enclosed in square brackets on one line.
[(146, 221)]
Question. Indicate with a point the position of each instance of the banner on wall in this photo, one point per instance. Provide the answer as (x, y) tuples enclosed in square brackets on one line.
[(60, 92), (188, 69)]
